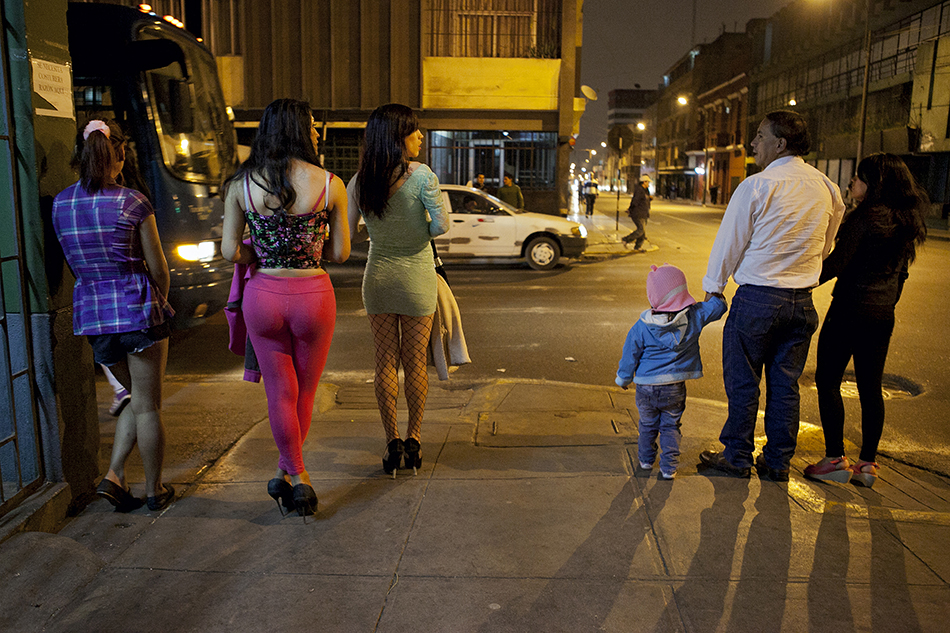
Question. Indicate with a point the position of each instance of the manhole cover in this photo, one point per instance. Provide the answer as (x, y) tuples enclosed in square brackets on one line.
[(892, 387)]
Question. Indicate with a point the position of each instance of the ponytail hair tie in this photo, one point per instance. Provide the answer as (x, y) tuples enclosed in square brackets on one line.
[(95, 126)]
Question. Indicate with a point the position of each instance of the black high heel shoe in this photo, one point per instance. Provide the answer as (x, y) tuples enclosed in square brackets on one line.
[(393, 456), (281, 492), (413, 458), (305, 499)]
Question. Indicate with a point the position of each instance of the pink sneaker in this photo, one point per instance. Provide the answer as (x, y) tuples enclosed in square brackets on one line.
[(864, 474), (830, 469)]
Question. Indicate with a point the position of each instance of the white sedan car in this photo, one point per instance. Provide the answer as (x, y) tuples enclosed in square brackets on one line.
[(481, 225)]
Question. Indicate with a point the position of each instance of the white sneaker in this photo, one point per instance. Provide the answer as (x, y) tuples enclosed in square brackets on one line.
[(119, 402), (667, 476), (646, 466)]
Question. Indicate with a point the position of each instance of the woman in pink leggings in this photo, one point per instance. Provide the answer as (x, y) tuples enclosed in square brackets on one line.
[(296, 214)]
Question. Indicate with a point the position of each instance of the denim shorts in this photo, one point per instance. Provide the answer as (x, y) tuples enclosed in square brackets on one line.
[(109, 349)]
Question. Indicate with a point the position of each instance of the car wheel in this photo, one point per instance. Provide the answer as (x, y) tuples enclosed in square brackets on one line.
[(542, 253)]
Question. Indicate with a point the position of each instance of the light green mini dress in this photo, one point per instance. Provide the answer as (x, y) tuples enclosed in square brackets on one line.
[(400, 270)]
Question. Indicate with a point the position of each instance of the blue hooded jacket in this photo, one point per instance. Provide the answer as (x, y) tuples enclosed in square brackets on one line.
[(660, 351)]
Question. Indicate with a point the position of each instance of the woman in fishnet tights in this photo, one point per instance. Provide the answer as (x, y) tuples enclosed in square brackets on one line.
[(401, 204)]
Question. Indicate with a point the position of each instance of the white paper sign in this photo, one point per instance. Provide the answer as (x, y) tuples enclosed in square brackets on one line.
[(52, 89)]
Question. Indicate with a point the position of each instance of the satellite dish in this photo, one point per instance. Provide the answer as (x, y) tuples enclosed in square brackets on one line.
[(589, 92)]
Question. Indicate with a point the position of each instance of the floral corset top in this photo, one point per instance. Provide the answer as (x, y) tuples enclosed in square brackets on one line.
[(284, 240)]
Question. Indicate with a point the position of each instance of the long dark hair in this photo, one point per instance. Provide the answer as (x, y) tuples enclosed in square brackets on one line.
[(894, 201), (383, 159), (96, 155), (283, 134)]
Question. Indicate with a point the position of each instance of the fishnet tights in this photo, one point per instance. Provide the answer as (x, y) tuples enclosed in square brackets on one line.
[(409, 349)]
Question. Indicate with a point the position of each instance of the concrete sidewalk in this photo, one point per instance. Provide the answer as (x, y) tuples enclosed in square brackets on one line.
[(529, 514)]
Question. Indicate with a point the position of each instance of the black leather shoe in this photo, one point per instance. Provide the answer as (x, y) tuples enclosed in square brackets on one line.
[(161, 501), (769, 474), (120, 498), (717, 461)]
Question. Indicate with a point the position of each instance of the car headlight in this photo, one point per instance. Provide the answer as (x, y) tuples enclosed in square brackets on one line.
[(201, 252), (579, 230)]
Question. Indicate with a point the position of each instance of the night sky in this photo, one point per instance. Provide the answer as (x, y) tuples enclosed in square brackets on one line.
[(629, 42)]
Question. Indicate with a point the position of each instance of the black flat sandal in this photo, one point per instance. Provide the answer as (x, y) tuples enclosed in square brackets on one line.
[(161, 501), (120, 498)]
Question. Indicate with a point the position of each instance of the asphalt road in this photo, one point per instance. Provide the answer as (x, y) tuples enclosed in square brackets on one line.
[(569, 324)]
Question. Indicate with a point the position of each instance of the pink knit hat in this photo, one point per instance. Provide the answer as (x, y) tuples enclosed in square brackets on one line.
[(666, 289)]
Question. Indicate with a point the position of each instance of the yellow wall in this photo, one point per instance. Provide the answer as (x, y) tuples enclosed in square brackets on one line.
[(231, 74), (489, 83)]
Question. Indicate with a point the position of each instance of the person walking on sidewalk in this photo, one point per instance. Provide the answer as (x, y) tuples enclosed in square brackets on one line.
[(295, 212), (875, 246), (111, 242), (639, 212), (778, 227), (510, 193), (589, 194), (660, 354), (400, 202)]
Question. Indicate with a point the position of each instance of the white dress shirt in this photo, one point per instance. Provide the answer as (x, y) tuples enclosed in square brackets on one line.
[(779, 226)]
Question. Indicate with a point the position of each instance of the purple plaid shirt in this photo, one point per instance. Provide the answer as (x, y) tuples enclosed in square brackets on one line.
[(99, 234)]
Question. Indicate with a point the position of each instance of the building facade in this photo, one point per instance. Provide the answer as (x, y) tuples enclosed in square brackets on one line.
[(495, 82), (814, 59), (699, 103), (723, 115), (627, 122)]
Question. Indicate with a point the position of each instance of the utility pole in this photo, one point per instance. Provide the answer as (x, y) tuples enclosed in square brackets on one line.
[(619, 172), (867, 76), (692, 40)]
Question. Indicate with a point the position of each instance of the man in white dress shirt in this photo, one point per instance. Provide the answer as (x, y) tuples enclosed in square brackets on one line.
[(779, 226)]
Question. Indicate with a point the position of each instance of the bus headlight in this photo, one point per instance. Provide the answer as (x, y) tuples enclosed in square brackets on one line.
[(201, 252), (579, 230)]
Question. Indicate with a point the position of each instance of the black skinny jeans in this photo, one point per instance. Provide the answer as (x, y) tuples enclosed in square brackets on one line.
[(845, 334)]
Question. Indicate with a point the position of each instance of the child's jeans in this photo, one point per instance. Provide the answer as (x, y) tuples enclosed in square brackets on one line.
[(661, 407)]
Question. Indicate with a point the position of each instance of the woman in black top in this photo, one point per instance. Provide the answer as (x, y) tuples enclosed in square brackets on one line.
[(875, 245)]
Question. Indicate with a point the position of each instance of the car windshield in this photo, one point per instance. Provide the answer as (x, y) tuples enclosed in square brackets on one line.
[(502, 204), (190, 116)]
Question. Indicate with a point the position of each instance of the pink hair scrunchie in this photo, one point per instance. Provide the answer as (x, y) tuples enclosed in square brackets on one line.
[(95, 125)]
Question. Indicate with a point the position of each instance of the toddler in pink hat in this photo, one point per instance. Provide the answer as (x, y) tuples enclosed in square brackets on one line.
[(660, 354)]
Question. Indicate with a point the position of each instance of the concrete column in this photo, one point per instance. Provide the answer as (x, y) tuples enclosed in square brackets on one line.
[(65, 385)]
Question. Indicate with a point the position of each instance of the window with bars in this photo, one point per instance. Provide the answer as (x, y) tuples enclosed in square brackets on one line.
[(530, 158), (494, 28), (893, 52)]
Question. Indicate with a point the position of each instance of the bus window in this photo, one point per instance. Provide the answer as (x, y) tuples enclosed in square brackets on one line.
[(195, 146)]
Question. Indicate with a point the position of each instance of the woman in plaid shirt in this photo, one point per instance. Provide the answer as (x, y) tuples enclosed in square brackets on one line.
[(110, 239)]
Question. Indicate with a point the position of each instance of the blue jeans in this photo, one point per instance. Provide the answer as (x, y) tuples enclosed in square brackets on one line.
[(660, 407), (770, 328)]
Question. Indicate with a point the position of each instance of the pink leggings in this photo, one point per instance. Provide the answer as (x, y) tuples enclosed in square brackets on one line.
[(290, 323)]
